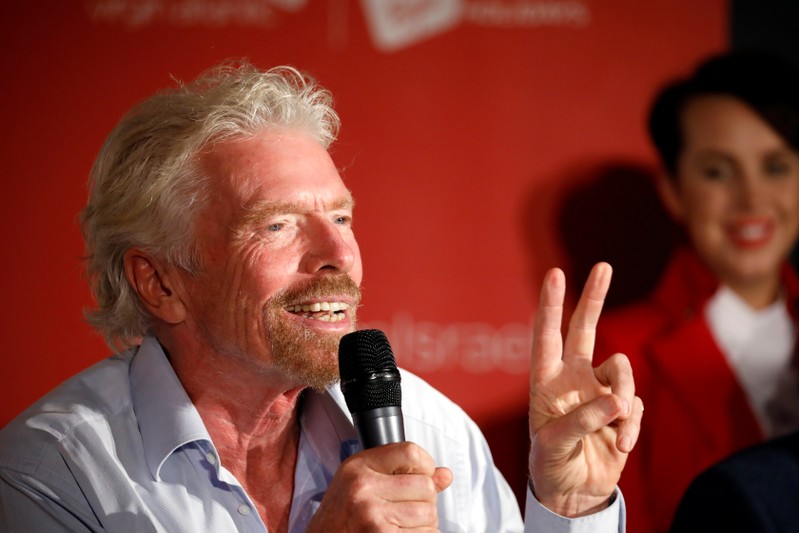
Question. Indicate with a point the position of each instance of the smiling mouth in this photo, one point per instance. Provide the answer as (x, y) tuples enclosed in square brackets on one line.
[(750, 234), (324, 311)]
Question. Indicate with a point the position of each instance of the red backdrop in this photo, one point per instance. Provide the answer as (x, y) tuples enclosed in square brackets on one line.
[(469, 129)]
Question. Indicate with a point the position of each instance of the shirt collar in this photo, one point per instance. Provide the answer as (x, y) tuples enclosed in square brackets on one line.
[(168, 419), (327, 426), (733, 322), (166, 416), (687, 284)]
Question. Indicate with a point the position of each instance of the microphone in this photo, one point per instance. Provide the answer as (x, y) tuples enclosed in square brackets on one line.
[(370, 382)]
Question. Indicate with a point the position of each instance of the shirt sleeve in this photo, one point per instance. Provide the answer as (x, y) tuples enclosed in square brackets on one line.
[(539, 519)]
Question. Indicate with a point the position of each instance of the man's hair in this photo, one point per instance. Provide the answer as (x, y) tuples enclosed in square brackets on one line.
[(146, 184), (768, 84)]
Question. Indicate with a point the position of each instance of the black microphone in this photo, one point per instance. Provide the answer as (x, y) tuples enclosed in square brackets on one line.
[(370, 382)]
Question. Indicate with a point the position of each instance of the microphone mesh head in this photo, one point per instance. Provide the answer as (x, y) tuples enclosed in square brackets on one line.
[(369, 375)]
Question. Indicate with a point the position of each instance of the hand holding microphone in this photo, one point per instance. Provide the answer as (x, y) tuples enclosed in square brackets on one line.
[(391, 482)]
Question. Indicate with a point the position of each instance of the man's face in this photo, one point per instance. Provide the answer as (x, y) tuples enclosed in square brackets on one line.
[(280, 267)]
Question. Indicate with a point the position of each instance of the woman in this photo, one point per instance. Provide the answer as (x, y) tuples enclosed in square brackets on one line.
[(713, 347)]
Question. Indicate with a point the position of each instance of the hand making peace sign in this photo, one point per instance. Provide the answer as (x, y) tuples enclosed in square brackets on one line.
[(583, 420)]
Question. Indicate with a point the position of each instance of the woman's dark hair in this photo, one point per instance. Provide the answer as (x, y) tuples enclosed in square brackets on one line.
[(767, 83)]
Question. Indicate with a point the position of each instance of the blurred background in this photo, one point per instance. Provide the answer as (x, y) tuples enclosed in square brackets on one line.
[(485, 140)]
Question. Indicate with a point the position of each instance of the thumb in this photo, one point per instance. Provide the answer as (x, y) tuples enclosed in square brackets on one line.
[(592, 416), (442, 478)]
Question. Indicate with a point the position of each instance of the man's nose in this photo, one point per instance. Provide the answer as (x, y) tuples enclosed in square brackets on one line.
[(329, 248)]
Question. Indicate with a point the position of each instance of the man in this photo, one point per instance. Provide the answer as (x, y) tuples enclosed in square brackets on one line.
[(222, 256)]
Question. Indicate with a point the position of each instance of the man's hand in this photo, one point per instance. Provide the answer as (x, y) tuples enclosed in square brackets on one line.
[(383, 489), (583, 420)]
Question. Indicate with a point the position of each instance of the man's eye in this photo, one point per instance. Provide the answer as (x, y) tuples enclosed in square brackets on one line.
[(343, 220), (274, 227)]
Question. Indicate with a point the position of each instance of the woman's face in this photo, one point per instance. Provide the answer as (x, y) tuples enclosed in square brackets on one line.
[(736, 190)]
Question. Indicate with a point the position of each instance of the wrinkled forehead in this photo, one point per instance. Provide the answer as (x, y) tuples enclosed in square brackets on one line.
[(286, 166)]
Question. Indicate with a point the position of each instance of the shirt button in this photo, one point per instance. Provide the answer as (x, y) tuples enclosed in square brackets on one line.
[(244, 509), (211, 458)]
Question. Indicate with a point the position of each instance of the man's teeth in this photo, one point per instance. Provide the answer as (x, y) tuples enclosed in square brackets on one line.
[(318, 306), (327, 310)]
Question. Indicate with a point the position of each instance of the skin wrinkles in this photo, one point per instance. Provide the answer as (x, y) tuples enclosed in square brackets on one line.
[(252, 273), (244, 358), (262, 212), (277, 231)]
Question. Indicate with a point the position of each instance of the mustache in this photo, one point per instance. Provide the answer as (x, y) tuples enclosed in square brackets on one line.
[(317, 289)]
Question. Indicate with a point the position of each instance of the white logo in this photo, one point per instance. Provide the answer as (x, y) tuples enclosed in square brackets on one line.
[(396, 24), (216, 13), (474, 347), (393, 24)]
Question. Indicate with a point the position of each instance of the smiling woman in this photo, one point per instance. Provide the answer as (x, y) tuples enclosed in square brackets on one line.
[(736, 193), (712, 348)]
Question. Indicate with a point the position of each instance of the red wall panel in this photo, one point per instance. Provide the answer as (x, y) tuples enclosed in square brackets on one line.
[(466, 126)]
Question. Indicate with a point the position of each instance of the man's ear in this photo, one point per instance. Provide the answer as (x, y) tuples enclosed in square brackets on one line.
[(670, 195), (155, 284)]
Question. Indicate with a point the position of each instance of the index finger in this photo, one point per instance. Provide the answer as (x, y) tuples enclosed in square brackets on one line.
[(399, 458), (582, 327), (547, 341)]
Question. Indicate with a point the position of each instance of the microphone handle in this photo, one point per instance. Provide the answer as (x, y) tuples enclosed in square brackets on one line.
[(383, 425)]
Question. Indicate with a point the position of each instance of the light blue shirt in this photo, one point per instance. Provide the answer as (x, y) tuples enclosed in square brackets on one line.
[(120, 447)]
